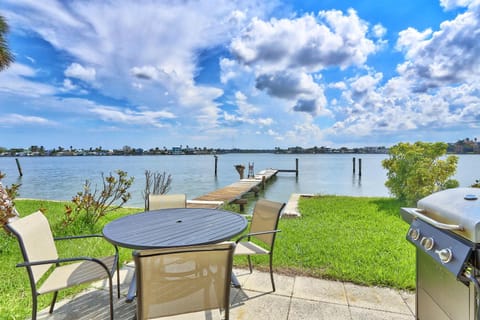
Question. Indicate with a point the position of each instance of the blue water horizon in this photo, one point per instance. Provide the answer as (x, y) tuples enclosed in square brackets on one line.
[(60, 178)]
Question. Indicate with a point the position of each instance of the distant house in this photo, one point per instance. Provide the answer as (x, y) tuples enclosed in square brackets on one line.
[(177, 150)]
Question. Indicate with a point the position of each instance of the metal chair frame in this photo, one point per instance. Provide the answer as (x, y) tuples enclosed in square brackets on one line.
[(193, 275), (276, 209), (109, 272)]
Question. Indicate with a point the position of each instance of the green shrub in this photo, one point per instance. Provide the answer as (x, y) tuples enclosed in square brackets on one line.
[(7, 202), (89, 206), (417, 170)]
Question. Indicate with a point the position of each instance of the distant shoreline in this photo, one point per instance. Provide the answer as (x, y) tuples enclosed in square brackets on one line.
[(465, 146), (107, 154)]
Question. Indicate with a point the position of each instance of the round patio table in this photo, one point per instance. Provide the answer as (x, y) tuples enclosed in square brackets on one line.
[(168, 228)]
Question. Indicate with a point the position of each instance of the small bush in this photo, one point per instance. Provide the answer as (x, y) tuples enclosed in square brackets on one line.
[(7, 203), (89, 206), (156, 183), (417, 170)]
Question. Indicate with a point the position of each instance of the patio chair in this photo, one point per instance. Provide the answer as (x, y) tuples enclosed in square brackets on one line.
[(40, 257), (166, 201), (263, 228), (183, 280)]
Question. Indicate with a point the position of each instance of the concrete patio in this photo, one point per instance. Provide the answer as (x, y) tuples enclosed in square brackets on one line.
[(296, 297)]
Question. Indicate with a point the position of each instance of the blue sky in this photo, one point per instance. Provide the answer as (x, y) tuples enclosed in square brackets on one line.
[(243, 73)]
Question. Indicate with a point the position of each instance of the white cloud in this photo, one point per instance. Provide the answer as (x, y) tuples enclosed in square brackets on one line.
[(286, 54), (245, 108), (142, 45), (75, 70), (145, 72), (68, 85), (305, 134), (305, 43), (452, 4), (379, 31), (18, 80), (131, 117), (22, 120), (445, 57)]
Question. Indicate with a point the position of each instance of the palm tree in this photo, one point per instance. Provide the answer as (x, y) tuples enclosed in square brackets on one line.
[(5, 56)]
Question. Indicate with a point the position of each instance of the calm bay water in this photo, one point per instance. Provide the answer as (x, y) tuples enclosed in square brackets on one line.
[(59, 178)]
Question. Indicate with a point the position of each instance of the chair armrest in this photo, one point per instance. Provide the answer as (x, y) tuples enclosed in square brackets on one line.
[(57, 261), (256, 234), (86, 236)]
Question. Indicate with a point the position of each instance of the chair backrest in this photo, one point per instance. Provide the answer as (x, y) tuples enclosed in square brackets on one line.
[(183, 280), (36, 242), (166, 201), (265, 218)]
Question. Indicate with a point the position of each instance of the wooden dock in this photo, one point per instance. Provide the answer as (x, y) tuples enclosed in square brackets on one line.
[(233, 192)]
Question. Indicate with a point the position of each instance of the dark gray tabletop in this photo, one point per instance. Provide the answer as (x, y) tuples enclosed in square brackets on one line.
[(168, 228)]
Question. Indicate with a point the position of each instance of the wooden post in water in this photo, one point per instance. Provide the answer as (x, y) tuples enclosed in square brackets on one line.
[(216, 161), (353, 162), (359, 167), (296, 167), (19, 167)]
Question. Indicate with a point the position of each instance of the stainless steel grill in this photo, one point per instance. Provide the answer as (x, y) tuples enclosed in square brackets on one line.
[(445, 229)]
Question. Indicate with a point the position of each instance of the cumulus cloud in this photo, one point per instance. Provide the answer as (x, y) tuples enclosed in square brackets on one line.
[(445, 57), (300, 87), (452, 4), (285, 54), (246, 113), (309, 43), (76, 70)]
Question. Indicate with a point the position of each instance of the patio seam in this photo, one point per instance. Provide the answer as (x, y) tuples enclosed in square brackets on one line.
[(290, 299)]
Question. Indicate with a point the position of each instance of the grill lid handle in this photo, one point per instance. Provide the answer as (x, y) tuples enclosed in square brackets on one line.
[(419, 214)]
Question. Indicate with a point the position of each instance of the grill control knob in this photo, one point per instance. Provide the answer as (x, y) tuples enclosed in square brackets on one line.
[(427, 243), (414, 233), (445, 255)]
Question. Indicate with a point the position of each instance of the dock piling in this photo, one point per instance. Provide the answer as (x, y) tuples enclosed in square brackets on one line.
[(19, 167), (296, 167)]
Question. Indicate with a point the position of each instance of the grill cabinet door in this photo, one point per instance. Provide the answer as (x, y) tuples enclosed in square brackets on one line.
[(439, 294)]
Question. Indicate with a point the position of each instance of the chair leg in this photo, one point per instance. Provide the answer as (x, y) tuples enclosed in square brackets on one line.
[(249, 263), (118, 279), (34, 307), (54, 299), (271, 273), (110, 291)]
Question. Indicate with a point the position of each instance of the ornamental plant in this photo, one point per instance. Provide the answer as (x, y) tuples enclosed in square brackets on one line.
[(419, 169), (156, 183), (7, 204), (90, 205)]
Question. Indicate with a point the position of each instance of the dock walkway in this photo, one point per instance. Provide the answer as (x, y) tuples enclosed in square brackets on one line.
[(233, 192)]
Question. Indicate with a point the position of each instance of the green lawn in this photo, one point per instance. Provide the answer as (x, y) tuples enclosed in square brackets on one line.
[(361, 240)]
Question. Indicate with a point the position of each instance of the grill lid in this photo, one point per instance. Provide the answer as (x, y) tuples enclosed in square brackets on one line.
[(458, 208)]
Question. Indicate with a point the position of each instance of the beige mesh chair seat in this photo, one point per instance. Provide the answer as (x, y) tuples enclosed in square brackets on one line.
[(40, 256), (166, 201), (263, 229), (183, 280)]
